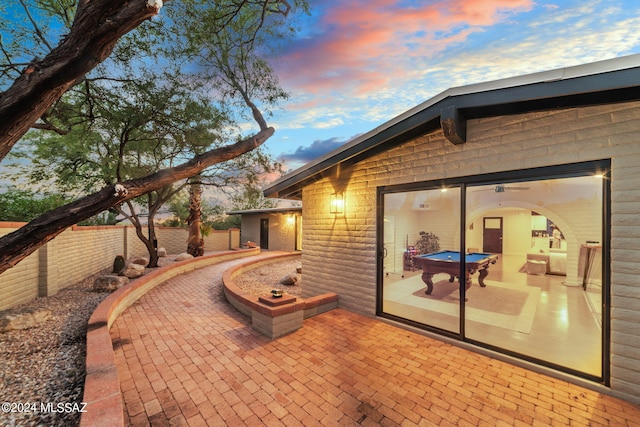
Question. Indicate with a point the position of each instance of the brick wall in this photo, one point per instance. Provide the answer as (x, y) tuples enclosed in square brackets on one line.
[(340, 252), (82, 251), (227, 239), (25, 276)]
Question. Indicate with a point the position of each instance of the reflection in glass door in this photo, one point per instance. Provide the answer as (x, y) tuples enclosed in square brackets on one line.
[(421, 224)]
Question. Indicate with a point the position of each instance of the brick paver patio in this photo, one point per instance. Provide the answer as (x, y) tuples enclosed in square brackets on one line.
[(186, 357)]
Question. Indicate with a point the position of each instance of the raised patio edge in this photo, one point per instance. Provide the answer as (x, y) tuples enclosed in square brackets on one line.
[(102, 392), (249, 304)]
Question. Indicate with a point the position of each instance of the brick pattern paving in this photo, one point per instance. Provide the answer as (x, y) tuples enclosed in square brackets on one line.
[(186, 357)]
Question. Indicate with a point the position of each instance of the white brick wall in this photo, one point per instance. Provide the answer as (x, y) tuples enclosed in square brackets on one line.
[(340, 252)]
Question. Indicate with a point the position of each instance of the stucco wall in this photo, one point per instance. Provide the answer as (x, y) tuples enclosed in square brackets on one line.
[(82, 251), (340, 252)]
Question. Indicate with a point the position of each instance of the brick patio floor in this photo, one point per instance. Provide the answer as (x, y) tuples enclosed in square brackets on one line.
[(186, 357)]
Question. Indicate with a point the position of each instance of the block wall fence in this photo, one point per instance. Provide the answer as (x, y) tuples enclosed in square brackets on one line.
[(80, 251), (340, 252)]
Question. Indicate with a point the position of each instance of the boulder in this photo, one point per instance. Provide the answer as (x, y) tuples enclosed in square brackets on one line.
[(133, 270), (289, 280), (23, 319), (299, 269), (162, 252), (109, 283), (140, 261), (183, 256)]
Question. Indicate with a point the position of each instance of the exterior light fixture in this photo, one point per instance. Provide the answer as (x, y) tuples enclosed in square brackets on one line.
[(336, 203), (291, 219)]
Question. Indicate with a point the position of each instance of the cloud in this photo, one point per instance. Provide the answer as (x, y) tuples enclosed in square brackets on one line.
[(369, 62), (305, 154), (358, 47), (358, 83)]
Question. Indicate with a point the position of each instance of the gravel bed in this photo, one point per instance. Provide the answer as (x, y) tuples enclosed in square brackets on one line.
[(261, 280), (44, 367)]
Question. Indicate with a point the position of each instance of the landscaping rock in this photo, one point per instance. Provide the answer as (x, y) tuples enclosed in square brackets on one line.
[(23, 319), (162, 252), (288, 280), (299, 269), (133, 270), (109, 283), (140, 261), (183, 256)]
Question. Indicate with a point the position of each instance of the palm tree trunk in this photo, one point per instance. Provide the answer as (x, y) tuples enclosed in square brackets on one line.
[(195, 243)]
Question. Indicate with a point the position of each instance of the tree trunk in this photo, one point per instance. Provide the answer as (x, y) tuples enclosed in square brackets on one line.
[(195, 242), (152, 244), (148, 242), (16, 246), (97, 27)]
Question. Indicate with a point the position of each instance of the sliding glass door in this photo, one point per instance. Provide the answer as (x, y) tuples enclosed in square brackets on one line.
[(516, 264)]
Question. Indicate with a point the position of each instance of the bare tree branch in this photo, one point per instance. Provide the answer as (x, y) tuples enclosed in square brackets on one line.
[(36, 28), (16, 246)]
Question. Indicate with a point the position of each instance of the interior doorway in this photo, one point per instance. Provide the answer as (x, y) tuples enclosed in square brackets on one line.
[(492, 235)]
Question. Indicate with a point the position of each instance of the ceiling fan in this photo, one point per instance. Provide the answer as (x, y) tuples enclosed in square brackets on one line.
[(501, 188)]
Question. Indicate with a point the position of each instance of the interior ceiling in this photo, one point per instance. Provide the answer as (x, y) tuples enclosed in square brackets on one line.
[(539, 192)]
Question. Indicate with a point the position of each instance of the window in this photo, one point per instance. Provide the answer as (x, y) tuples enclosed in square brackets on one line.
[(532, 281)]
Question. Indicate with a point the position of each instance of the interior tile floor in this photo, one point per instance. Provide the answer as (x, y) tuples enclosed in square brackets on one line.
[(566, 328)]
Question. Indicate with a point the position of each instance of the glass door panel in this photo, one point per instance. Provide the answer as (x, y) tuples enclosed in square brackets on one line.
[(543, 297), (422, 225)]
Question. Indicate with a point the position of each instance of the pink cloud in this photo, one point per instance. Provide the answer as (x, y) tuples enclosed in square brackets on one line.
[(358, 46)]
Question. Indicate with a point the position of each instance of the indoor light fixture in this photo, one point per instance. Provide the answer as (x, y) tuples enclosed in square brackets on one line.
[(336, 203)]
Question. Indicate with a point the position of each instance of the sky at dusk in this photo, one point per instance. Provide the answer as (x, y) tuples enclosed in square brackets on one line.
[(358, 63)]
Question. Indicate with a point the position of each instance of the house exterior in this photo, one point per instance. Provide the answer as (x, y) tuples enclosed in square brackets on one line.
[(490, 169), (278, 229)]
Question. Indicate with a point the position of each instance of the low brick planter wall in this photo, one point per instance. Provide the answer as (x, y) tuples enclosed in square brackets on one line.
[(273, 317), (102, 384)]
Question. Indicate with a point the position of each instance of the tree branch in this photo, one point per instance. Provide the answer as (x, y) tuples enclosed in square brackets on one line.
[(97, 27), (16, 246), (36, 28), (48, 126)]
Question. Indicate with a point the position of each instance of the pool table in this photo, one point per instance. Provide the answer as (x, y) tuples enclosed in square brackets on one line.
[(449, 262)]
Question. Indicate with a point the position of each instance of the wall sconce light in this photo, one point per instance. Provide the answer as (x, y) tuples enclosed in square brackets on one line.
[(336, 203), (291, 219)]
